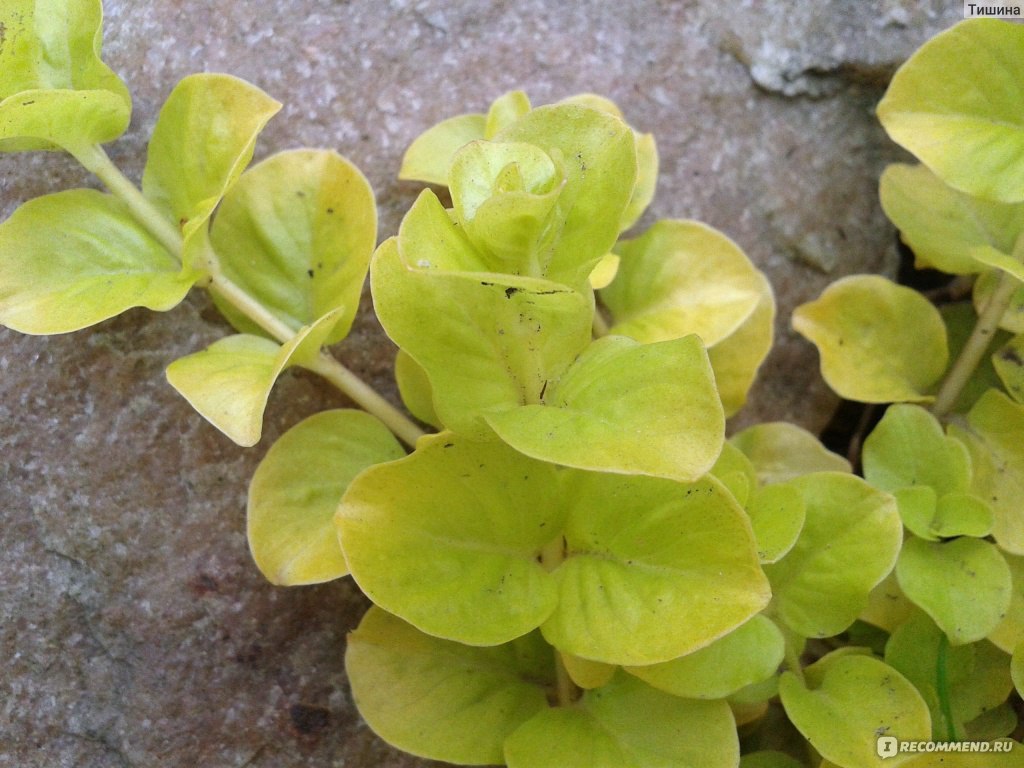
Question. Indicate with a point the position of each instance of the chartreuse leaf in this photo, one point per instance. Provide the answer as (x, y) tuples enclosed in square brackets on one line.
[(849, 542), (777, 513), (597, 156), (1017, 668), (296, 488), (991, 257), (879, 342), (55, 91), (769, 759), (443, 700), (780, 451), (681, 277), (605, 271), (646, 158), (202, 141), (648, 575), (229, 381), (993, 436), (503, 198), (1012, 757), (1009, 365), (296, 233), (908, 448), (504, 111), (627, 724), (428, 157), (955, 104), (996, 723), (737, 358), (958, 682), (749, 654), (489, 345), (963, 584), (684, 277), (847, 702), (448, 538), (71, 259), (887, 606), (736, 472), (635, 570), (625, 407), (587, 674), (1010, 631), (414, 388), (942, 225)]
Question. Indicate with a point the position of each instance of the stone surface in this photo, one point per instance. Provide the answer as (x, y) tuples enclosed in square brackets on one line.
[(134, 628)]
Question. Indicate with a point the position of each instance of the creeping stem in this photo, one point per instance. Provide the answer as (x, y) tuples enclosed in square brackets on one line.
[(552, 556), (95, 160), (984, 328)]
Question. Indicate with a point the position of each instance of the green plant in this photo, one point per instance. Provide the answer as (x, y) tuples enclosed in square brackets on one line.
[(577, 569)]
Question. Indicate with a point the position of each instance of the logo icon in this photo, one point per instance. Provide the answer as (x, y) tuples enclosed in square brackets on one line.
[(887, 746)]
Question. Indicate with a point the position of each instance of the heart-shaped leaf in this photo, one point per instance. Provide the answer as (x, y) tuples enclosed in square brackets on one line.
[(780, 451), (74, 258)]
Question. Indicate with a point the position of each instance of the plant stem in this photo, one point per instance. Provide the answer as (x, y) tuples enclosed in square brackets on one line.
[(552, 556), (942, 686), (367, 398), (601, 327), (793, 660), (96, 160), (987, 324)]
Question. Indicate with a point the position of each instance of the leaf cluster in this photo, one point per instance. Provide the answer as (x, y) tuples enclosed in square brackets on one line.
[(576, 567)]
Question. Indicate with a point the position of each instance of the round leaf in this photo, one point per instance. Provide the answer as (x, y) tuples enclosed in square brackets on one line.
[(1009, 365), (879, 342), (428, 157), (627, 724), (963, 584), (956, 105), (443, 700), (296, 233), (653, 569), (849, 543), (449, 537), (296, 489), (848, 702), (781, 451), (1010, 631), (625, 407), (777, 514), (414, 387), (747, 655), (72, 259), (678, 278)]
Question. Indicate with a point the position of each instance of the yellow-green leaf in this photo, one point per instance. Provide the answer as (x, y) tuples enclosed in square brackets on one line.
[(414, 388), (54, 88), (72, 259), (296, 489), (444, 700), (780, 451), (203, 139), (847, 702), (879, 342), (229, 381), (625, 407), (1009, 365), (942, 225), (428, 157), (956, 105), (296, 233)]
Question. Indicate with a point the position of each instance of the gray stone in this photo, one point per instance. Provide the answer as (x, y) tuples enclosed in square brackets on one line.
[(134, 628)]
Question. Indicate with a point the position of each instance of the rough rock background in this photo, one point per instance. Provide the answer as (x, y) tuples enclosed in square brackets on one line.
[(133, 628)]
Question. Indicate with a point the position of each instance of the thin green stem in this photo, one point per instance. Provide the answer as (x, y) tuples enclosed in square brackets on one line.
[(793, 660), (965, 365), (362, 393), (96, 160), (552, 556)]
